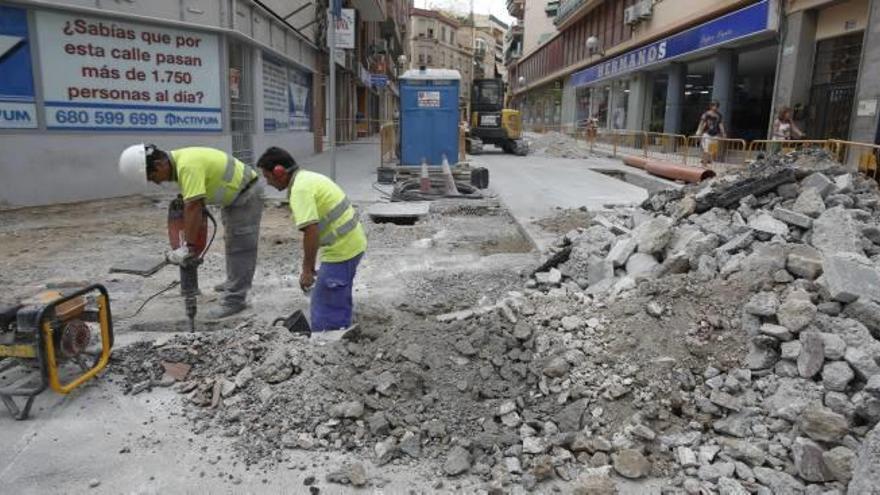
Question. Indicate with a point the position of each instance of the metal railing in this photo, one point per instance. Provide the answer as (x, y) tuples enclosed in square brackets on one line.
[(720, 152), (388, 146), (863, 156), (723, 152), (669, 147), (765, 147)]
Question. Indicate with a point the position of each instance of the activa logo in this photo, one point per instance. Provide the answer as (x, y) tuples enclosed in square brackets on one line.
[(15, 115), (8, 43)]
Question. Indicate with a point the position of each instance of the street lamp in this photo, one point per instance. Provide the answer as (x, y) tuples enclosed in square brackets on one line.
[(401, 64), (521, 81), (593, 46)]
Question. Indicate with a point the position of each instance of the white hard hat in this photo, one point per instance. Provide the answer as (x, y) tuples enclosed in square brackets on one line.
[(133, 162)]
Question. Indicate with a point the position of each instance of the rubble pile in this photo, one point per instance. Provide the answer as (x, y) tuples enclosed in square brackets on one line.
[(557, 145), (801, 233), (723, 338)]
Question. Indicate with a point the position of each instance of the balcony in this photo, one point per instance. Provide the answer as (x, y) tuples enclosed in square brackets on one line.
[(572, 9), (516, 8)]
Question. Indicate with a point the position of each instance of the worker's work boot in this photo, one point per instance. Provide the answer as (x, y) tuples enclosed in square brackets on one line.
[(224, 311), (222, 287)]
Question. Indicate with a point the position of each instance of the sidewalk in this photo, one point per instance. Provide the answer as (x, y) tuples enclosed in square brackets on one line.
[(356, 165), (533, 187)]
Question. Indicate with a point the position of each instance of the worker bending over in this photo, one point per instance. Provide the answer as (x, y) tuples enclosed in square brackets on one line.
[(209, 176), (330, 224)]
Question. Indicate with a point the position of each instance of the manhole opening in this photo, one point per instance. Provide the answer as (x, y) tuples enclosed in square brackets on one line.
[(405, 221)]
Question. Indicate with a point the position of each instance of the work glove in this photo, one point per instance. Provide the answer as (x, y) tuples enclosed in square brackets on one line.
[(181, 256)]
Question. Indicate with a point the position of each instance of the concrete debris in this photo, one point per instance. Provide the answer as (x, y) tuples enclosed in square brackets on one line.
[(726, 348), (630, 463), (557, 145)]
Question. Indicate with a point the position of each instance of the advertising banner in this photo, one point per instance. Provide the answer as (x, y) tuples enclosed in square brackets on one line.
[(300, 103), (286, 97), (275, 96), (344, 29), (17, 108), (102, 74)]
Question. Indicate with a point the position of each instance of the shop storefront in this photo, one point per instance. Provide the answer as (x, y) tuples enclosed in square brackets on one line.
[(78, 86), (666, 85), (543, 106)]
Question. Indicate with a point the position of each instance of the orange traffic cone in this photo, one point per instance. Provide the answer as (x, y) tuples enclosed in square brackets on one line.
[(425, 180), (449, 181)]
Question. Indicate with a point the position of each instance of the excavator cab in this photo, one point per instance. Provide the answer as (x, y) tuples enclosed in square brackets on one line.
[(491, 123)]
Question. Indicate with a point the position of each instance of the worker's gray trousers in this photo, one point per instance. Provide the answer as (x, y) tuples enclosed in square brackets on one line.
[(241, 226)]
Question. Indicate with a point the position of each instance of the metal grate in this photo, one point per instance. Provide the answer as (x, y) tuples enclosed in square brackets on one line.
[(241, 109)]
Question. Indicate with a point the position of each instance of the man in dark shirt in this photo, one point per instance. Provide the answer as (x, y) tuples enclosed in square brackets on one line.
[(711, 126)]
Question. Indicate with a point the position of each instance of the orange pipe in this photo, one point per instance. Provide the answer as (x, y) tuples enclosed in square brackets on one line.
[(678, 172), (634, 161)]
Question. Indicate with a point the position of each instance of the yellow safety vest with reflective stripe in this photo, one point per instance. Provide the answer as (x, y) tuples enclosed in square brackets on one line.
[(208, 173), (315, 199)]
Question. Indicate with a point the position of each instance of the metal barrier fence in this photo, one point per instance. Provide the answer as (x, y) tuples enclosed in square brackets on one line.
[(863, 156), (720, 152), (669, 147), (388, 147), (769, 146)]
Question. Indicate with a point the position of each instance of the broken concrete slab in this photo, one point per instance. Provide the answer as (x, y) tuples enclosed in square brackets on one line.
[(804, 261), (793, 218), (621, 250), (835, 231), (820, 182), (653, 236), (850, 276), (765, 223), (809, 202)]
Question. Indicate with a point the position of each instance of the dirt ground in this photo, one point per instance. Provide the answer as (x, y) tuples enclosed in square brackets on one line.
[(460, 256)]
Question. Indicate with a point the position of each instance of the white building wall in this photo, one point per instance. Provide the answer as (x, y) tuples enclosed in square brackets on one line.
[(536, 23), (42, 166)]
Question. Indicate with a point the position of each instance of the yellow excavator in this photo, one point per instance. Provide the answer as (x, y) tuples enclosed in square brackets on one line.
[(491, 123)]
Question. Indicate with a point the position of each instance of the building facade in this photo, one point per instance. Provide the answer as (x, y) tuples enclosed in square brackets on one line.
[(438, 42), (655, 66), (828, 68), (538, 17), (82, 79)]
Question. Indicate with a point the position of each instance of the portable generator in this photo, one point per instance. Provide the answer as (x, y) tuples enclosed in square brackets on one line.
[(56, 340)]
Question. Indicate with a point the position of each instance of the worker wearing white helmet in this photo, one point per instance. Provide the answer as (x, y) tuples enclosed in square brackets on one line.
[(209, 176)]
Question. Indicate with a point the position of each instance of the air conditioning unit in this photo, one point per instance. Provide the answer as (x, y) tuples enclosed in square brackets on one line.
[(645, 9), (630, 15)]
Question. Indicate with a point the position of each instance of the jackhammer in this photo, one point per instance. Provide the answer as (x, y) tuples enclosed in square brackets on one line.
[(189, 269)]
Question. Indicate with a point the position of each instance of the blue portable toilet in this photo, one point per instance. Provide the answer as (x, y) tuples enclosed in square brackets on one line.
[(429, 116)]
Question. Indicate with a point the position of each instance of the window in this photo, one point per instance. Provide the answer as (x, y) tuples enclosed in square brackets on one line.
[(430, 32), (443, 33), (430, 61), (421, 58)]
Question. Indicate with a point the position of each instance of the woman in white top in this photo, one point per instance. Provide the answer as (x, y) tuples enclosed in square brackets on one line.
[(784, 128)]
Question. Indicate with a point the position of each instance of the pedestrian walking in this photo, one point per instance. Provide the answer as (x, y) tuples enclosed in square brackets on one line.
[(710, 127), (330, 227), (209, 176)]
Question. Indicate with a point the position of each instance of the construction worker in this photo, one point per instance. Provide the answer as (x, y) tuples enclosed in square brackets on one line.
[(209, 176), (330, 224)]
